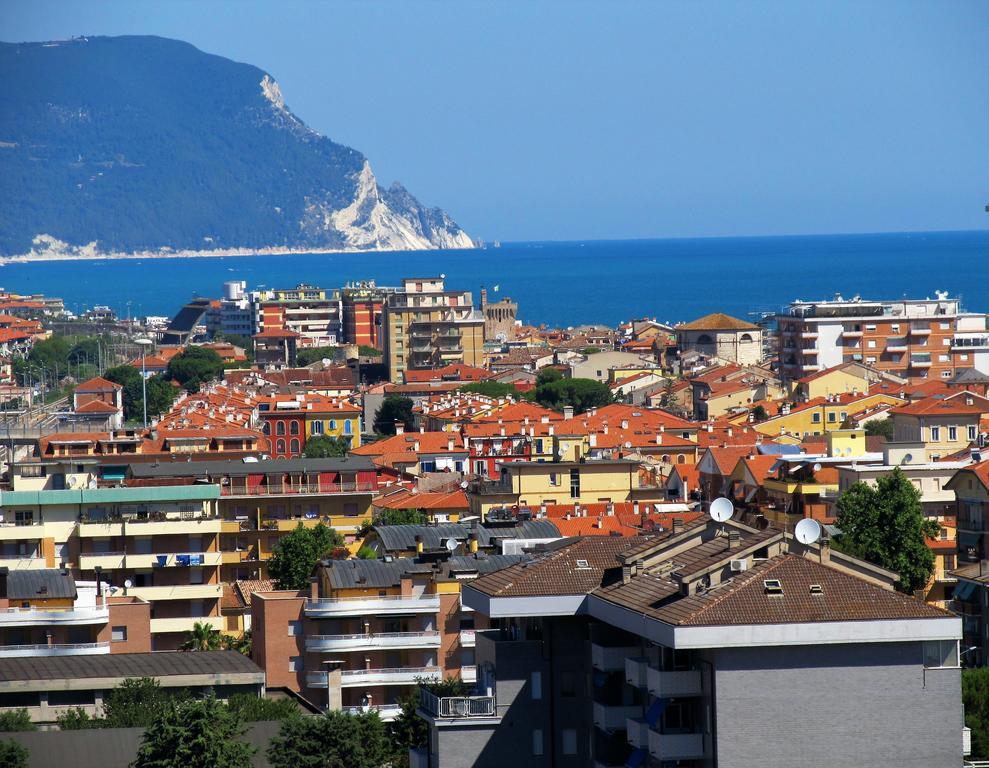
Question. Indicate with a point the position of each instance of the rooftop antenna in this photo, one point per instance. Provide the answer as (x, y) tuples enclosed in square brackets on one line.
[(808, 531)]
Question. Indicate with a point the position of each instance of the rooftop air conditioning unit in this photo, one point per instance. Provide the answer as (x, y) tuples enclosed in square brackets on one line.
[(737, 566)]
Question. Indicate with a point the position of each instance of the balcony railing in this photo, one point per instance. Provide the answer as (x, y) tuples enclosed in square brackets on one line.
[(386, 712), (384, 676), (609, 658), (373, 641), (302, 489), (456, 706), (667, 684), (468, 674), (61, 649), (614, 718), (676, 746), (360, 606), (467, 638), (636, 672), (28, 617), (23, 562)]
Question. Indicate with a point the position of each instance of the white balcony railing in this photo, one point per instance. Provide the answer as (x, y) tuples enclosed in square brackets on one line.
[(676, 746), (31, 617), (457, 707), (367, 642), (666, 684), (637, 731), (468, 674), (467, 638), (361, 606), (350, 678), (61, 649), (23, 563), (611, 658), (614, 718), (386, 712), (635, 671), (174, 559)]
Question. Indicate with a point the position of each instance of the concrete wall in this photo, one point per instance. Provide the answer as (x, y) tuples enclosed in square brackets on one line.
[(851, 706), (113, 747)]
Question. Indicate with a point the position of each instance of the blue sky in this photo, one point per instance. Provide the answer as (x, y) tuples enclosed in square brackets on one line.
[(579, 120)]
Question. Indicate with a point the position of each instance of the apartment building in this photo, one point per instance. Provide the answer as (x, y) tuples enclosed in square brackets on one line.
[(289, 420), (313, 313), (426, 326), (369, 630), (946, 425), (909, 337), (710, 644), (234, 313), (259, 502), (363, 306), (970, 346)]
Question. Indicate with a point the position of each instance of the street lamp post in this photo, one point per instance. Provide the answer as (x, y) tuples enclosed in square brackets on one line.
[(144, 343)]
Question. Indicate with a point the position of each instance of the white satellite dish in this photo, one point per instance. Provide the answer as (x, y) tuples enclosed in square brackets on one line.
[(817, 467), (807, 531), (128, 584), (465, 485), (451, 544), (721, 509)]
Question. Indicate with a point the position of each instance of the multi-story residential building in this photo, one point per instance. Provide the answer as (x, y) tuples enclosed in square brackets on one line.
[(970, 598), (234, 314), (721, 337), (369, 630), (945, 425), (819, 416), (970, 346), (363, 308), (908, 337), (426, 326), (290, 420), (48, 613), (313, 313), (259, 502), (710, 644)]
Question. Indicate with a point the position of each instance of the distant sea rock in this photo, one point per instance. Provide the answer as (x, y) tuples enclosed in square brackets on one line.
[(142, 145)]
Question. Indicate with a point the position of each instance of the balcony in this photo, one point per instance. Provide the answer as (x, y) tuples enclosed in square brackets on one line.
[(638, 732), (62, 649), (920, 330), (635, 672), (384, 641), (614, 718), (300, 489), (184, 623), (897, 344), (100, 530), (808, 334), (31, 617), (377, 606), (176, 526), (970, 342), (666, 685), (851, 334), (15, 532), (108, 561), (676, 746), (386, 712), (611, 658), (177, 592), (351, 678), (23, 563), (457, 707), (467, 638), (174, 560), (920, 361)]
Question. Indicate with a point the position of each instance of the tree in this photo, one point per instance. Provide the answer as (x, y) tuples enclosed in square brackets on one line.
[(335, 740), (296, 554), (367, 351), (408, 730), (975, 697), (78, 719), (198, 733), (315, 354), (393, 408), (886, 526), (202, 637), (161, 392), (195, 366), (16, 720), (240, 644), (582, 394), (51, 353), (137, 702), (400, 517), (251, 708), (13, 755), (325, 447), (588, 351), (880, 428), (491, 389), (548, 376), (367, 553), (759, 413)]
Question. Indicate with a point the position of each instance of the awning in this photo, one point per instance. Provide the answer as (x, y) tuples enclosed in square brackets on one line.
[(963, 590)]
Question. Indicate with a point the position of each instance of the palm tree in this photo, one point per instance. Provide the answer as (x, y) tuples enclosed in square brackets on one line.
[(202, 637), (240, 644)]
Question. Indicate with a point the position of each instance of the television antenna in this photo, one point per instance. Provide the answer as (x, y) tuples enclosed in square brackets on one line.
[(721, 509), (808, 531)]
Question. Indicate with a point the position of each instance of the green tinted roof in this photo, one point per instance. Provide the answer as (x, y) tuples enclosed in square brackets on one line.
[(162, 493)]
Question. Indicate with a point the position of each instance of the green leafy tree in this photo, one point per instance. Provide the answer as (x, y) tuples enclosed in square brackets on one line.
[(84, 350), (886, 526), (400, 517), (325, 447), (251, 708), (408, 730), (315, 355), (16, 720), (335, 740), (161, 392), (240, 644), (393, 408), (199, 733), (194, 367), (297, 552), (13, 755), (880, 428), (367, 351), (548, 376), (491, 389), (51, 353), (137, 702), (975, 697), (590, 351), (367, 553), (202, 637), (759, 413), (582, 394)]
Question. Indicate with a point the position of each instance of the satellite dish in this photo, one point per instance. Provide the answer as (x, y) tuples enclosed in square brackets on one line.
[(807, 531), (128, 584), (451, 544), (465, 485), (722, 509), (817, 467)]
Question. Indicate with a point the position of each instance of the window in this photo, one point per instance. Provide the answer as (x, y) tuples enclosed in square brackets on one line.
[(280, 428), (952, 433), (942, 358), (946, 342), (895, 327), (944, 326), (816, 418), (23, 517), (348, 427), (293, 428), (870, 327), (940, 653), (537, 741), (574, 483), (294, 446), (294, 663), (971, 432), (832, 416), (196, 576), (536, 685), (118, 635), (333, 425), (279, 446), (294, 628), (570, 741), (935, 434), (949, 562), (554, 478), (871, 344), (317, 427), (568, 681)]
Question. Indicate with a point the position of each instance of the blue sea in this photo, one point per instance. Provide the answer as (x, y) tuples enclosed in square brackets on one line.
[(566, 283)]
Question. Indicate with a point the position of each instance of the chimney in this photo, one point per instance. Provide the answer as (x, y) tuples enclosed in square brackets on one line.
[(659, 439), (635, 508), (415, 446), (419, 546), (825, 550), (3, 583), (624, 423), (627, 573), (567, 412), (677, 525), (592, 440), (449, 444), (399, 428), (734, 539), (611, 509)]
